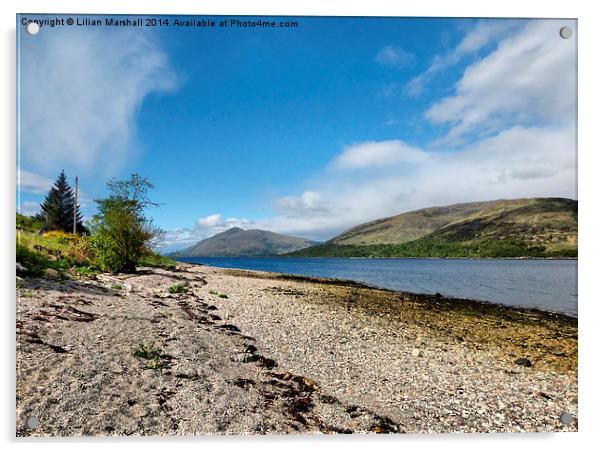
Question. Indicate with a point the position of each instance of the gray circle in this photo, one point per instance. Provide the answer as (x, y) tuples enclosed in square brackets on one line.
[(566, 32), (566, 418), (32, 28), (32, 422)]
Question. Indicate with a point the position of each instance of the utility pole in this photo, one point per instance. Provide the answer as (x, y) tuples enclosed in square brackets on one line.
[(75, 209)]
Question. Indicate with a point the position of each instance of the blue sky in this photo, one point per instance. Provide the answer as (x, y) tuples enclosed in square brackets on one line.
[(306, 131)]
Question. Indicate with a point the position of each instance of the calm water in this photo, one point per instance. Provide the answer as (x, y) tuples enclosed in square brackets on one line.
[(544, 284)]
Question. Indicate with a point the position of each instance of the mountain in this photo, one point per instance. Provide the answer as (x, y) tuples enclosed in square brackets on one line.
[(237, 242), (538, 227)]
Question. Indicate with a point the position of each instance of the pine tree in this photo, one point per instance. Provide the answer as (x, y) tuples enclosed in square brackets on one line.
[(57, 209)]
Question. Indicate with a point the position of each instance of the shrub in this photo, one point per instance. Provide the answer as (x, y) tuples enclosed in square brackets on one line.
[(81, 250), (156, 358), (85, 271), (33, 261), (28, 223), (121, 234), (177, 288), (61, 237)]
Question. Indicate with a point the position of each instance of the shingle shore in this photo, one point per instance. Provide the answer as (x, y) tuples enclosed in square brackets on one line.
[(251, 352)]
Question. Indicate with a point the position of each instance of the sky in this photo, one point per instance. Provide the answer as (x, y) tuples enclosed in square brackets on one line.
[(306, 130)]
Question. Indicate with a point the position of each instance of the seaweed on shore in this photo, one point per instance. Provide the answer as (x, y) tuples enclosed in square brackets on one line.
[(547, 339)]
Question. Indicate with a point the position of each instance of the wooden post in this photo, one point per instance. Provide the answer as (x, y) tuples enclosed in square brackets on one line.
[(75, 209)]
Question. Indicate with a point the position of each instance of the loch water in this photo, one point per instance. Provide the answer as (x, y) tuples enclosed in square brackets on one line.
[(549, 285)]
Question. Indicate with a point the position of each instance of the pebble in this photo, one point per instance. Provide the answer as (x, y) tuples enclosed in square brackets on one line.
[(417, 352)]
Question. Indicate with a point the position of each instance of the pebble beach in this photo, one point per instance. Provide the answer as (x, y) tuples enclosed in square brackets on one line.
[(248, 352)]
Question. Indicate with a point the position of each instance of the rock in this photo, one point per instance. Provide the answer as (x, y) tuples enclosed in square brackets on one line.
[(21, 269), (139, 411), (115, 368), (524, 362), (417, 352), (566, 418), (53, 273)]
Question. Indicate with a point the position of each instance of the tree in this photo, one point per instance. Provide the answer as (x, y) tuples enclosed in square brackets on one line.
[(121, 234), (57, 208)]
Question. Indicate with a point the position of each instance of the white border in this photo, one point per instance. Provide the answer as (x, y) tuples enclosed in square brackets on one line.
[(589, 217)]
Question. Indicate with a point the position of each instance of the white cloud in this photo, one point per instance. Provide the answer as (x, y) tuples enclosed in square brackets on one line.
[(209, 221), (80, 93), (378, 154), (32, 183), (484, 33), (213, 224), (310, 202), (529, 79), (29, 182), (394, 56), (29, 208), (518, 162)]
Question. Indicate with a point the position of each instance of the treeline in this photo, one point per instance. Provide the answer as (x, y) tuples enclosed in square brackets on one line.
[(432, 248), (118, 238)]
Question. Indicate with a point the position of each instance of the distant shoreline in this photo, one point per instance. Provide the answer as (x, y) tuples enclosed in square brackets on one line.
[(293, 257), (455, 302)]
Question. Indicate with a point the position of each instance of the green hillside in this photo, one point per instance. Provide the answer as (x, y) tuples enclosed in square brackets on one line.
[(539, 227), (237, 242)]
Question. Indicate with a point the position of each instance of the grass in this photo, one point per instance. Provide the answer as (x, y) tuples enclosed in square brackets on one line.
[(154, 260), (116, 286), (65, 252), (54, 250), (34, 262), (28, 223), (177, 289), (218, 294), (155, 357), (86, 271)]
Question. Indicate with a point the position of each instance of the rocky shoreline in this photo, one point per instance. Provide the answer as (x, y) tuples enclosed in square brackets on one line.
[(204, 350)]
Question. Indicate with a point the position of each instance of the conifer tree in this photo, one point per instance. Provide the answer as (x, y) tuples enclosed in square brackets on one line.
[(57, 209)]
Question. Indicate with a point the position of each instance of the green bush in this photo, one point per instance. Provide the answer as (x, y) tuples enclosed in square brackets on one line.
[(85, 271), (121, 234), (104, 256), (34, 262), (28, 223), (156, 358), (177, 288)]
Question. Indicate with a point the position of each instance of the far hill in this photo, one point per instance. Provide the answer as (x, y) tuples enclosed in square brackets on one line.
[(539, 227), (236, 242)]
